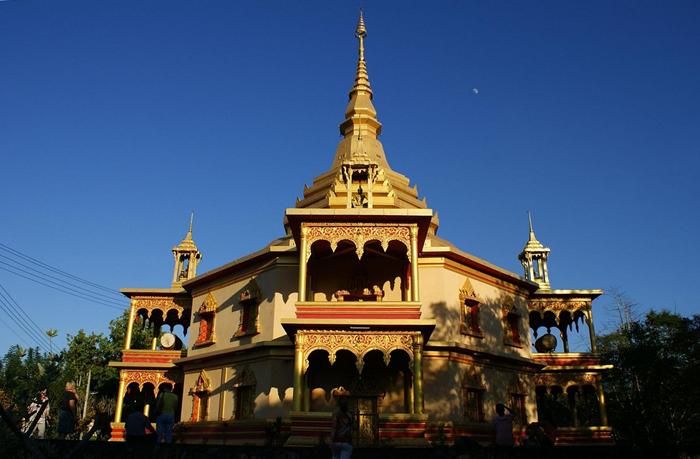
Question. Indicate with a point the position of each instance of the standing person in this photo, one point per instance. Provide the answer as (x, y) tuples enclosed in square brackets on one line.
[(165, 410), (341, 430), (504, 425), (33, 412), (69, 411)]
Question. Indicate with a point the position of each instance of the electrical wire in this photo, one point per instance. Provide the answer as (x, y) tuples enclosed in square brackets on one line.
[(77, 288), (23, 327), (19, 254), (94, 300), (15, 333), (42, 335)]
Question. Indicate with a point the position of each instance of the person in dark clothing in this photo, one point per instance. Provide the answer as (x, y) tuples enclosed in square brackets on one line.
[(69, 411), (138, 427), (341, 430), (165, 410)]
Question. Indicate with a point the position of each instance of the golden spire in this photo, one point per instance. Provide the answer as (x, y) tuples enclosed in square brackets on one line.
[(532, 242), (360, 117), (361, 77)]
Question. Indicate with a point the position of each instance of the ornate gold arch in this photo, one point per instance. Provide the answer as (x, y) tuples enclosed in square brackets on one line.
[(359, 234), (565, 380), (165, 305), (557, 306), (154, 377), (359, 343)]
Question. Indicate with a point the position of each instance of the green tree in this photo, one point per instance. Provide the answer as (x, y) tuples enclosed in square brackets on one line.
[(652, 393)]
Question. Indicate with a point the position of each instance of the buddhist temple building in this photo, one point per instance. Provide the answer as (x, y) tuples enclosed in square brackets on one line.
[(359, 295)]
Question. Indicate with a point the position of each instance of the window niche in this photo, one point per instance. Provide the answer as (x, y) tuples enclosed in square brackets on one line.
[(473, 390), (517, 392), (200, 398), (244, 385), (207, 317), (250, 301), (470, 305), (512, 330)]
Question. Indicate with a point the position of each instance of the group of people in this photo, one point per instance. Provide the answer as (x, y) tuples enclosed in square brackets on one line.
[(138, 426), (541, 433)]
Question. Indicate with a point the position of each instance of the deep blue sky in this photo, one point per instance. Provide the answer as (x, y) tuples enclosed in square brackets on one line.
[(118, 118)]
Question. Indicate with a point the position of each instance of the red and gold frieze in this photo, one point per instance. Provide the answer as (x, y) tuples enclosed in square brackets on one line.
[(148, 356), (359, 310)]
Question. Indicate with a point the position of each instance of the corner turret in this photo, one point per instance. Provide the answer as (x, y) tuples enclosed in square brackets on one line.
[(534, 259), (187, 257)]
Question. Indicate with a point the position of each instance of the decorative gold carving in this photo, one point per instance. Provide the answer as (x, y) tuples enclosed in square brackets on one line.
[(516, 386), (359, 234), (470, 310), (565, 380), (154, 377), (472, 379), (209, 305), (359, 343), (360, 288), (203, 383), (200, 398), (207, 320), (250, 299), (473, 388), (557, 306), (163, 304), (244, 387), (512, 323)]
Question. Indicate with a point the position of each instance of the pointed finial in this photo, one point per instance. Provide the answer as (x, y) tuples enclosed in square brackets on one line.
[(189, 232), (361, 32), (532, 233), (361, 78)]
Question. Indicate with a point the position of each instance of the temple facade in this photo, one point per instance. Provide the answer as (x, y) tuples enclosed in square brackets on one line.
[(360, 295)]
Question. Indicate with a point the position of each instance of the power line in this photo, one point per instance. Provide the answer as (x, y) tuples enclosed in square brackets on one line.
[(47, 277), (40, 331), (19, 254), (78, 295), (28, 331), (11, 329)]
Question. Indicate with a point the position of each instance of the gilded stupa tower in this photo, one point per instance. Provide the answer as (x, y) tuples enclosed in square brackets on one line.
[(360, 175)]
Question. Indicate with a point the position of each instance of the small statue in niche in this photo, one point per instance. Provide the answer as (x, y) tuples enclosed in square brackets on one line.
[(359, 200)]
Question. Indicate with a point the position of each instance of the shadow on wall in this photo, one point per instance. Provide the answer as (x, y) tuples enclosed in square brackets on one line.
[(494, 330)]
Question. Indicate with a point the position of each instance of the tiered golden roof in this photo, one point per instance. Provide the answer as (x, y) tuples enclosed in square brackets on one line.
[(360, 176)]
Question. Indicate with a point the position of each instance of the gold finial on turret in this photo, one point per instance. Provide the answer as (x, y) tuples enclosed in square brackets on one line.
[(361, 33)]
